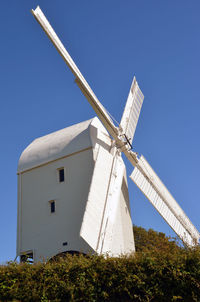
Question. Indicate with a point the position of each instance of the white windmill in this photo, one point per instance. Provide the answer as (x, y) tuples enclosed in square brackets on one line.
[(98, 232)]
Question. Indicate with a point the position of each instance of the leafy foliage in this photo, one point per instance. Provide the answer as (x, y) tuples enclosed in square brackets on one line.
[(155, 241), (161, 270)]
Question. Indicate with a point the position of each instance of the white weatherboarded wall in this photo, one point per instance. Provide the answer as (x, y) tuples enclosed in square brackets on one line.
[(81, 201), (46, 230)]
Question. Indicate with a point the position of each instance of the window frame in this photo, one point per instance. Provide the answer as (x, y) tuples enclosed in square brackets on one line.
[(59, 175), (52, 202)]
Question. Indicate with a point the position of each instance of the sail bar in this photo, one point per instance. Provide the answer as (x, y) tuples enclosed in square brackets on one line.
[(80, 80), (132, 111), (156, 192)]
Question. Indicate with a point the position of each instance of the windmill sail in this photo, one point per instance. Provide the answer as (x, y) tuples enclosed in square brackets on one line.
[(132, 111), (152, 187), (80, 80)]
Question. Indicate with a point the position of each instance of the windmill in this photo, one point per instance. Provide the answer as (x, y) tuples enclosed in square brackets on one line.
[(122, 136)]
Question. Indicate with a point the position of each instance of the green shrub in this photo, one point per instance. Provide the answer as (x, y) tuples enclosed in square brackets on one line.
[(167, 273)]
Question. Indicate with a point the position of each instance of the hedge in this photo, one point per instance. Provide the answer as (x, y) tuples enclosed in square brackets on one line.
[(146, 276)]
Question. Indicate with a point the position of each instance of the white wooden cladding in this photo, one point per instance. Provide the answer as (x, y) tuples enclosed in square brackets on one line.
[(111, 207), (132, 111), (95, 207), (152, 187), (80, 80)]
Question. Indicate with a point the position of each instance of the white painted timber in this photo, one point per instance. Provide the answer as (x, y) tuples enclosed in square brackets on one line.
[(132, 111), (111, 206), (55, 145), (84, 151), (107, 225), (156, 192), (94, 212), (116, 234), (60, 144), (80, 80)]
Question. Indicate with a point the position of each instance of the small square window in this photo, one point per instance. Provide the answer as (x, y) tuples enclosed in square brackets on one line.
[(61, 175), (53, 206)]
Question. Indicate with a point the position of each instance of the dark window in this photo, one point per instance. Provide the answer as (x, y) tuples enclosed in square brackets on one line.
[(28, 257), (61, 175), (53, 206)]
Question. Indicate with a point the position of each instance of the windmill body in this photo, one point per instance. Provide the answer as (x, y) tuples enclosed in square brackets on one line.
[(87, 209)]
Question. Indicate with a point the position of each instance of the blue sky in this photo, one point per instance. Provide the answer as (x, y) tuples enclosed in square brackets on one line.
[(110, 41)]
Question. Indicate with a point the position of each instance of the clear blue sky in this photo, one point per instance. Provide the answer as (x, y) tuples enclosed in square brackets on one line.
[(111, 41)]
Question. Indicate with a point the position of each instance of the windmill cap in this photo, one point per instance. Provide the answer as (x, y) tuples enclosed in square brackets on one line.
[(60, 144)]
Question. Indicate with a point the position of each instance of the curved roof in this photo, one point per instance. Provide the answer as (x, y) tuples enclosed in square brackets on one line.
[(58, 144)]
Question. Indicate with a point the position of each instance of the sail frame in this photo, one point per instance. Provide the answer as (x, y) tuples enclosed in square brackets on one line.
[(131, 112), (155, 191)]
